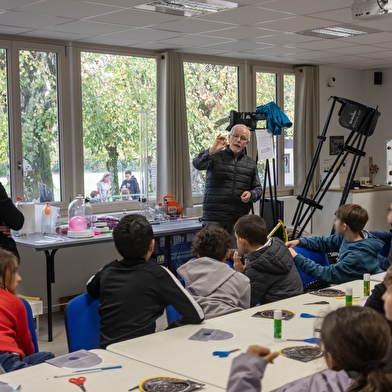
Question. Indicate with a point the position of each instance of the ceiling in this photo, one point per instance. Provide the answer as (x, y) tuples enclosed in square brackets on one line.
[(264, 30)]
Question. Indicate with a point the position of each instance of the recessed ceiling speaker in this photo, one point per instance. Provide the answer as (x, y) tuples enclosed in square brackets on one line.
[(378, 78)]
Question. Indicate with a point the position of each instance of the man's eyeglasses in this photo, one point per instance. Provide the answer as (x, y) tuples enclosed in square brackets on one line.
[(242, 138)]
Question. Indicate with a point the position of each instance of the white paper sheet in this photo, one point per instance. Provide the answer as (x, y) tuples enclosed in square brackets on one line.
[(265, 144)]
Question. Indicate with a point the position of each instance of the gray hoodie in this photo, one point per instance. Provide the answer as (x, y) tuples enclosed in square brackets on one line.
[(247, 371), (216, 287)]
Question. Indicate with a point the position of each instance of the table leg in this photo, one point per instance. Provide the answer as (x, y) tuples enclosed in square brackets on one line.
[(168, 252), (50, 278)]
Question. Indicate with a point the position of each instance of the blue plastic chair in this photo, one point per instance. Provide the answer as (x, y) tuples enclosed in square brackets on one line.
[(171, 314), (31, 324), (318, 258), (82, 323), (385, 250), (230, 264)]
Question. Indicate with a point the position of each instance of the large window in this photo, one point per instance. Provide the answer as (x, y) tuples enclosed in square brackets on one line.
[(278, 87), (4, 148), (40, 127), (70, 114), (119, 113), (211, 92)]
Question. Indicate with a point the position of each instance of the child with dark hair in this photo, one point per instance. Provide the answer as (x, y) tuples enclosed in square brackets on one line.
[(358, 249), (216, 287), (269, 266), (356, 342), (386, 237), (16, 346), (133, 292)]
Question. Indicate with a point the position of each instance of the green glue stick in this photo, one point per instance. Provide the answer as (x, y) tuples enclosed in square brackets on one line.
[(278, 324), (349, 296), (366, 285)]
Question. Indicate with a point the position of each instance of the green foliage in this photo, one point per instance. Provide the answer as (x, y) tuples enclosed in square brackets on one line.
[(115, 90), (39, 114)]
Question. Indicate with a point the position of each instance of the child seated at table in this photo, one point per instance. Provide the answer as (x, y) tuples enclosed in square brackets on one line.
[(16, 346), (356, 342), (134, 292), (358, 249), (216, 287), (269, 266), (386, 237)]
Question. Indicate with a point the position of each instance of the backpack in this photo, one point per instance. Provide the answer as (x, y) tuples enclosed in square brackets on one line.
[(45, 193)]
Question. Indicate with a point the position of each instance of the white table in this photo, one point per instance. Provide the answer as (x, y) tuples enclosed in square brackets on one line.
[(378, 277), (172, 349), (41, 377), (51, 244)]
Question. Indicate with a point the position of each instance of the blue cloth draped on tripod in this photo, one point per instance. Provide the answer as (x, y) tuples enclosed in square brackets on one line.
[(276, 119)]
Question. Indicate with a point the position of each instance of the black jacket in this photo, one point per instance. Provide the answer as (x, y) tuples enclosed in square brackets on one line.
[(133, 294), (376, 302), (227, 178), (272, 273), (14, 219)]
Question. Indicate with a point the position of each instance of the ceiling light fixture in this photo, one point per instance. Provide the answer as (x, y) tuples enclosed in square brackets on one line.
[(343, 31), (187, 7)]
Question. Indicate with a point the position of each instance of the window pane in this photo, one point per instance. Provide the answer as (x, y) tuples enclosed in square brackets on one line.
[(265, 93), (211, 92), (4, 141), (119, 112), (288, 108), (40, 130)]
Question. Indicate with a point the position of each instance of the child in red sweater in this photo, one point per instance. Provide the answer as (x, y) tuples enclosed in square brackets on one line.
[(16, 347)]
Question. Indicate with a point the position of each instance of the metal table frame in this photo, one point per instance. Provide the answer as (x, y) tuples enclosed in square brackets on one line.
[(50, 249)]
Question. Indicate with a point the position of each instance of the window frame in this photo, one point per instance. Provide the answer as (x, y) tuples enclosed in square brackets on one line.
[(15, 126), (70, 107), (98, 208), (191, 58), (282, 188)]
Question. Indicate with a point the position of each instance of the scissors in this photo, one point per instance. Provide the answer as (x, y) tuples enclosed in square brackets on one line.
[(308, 340), (79, 382), (224, 354)]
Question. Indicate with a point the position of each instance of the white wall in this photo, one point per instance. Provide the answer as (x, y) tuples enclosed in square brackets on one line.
[(379, 95), (349, 84)]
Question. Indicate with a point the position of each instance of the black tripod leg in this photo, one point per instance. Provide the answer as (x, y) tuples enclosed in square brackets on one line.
[(264, 189), (313, 166)]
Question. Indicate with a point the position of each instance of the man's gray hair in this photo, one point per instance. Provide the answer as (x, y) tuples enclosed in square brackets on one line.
[(239, 126)]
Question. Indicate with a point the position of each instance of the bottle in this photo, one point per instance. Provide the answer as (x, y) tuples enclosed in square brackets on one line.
[(46, 227), (366, 285), (278, 324), (80, 218), (157, 213), (349, 296), (160, 212)]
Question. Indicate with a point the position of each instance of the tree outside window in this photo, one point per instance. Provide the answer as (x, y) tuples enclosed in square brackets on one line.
[(116, 92)]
